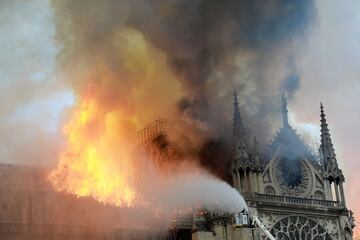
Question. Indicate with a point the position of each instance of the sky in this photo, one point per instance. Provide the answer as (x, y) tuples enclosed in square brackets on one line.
[(31, 98), (330, 73), (34, 102)]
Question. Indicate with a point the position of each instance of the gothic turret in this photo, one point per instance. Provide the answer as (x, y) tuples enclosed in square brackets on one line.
[(327, 152), (240, 144), (332, 172), (238, 127), (246, 163)]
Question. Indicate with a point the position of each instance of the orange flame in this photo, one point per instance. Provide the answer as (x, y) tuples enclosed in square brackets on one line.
[(93, 165), (112, 106)]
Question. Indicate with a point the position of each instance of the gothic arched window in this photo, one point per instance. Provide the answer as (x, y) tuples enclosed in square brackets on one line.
[(299, 228)]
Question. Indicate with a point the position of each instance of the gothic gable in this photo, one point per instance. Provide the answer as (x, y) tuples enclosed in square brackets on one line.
[(291, 170)]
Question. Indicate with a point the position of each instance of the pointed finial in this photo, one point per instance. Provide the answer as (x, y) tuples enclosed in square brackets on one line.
[(326, 146), (235, 98), (324, 126), (322, 110), (238, 127), (284, 111)]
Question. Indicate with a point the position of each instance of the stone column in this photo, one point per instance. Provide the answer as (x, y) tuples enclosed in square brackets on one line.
[(254, 182), (246, 185), (337, 191), (251, 181), (238, 180), (328, 190), (257, 182), (250, 187), (234, 180), (342, 193), (261, 184), (242, 180)]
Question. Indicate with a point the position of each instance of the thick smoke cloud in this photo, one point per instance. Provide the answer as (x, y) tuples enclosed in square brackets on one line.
[(203, 49), (204, 39), (31, 97), (291, 84), (198, 36)]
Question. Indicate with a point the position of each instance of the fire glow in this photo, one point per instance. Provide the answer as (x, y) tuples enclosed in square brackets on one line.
[(91, 166), (101, 131)]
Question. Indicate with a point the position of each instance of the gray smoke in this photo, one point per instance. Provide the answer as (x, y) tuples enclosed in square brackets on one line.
[(218, 46), (213, 47), (291, 84)]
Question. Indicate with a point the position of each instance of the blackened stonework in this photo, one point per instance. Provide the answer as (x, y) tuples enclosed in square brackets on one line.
[(291, 171)]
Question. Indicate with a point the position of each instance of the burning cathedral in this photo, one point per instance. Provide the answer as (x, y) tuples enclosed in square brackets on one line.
[(292, 193)]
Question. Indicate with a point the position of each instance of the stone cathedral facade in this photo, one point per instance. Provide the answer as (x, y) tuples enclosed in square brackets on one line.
[(295, 194)]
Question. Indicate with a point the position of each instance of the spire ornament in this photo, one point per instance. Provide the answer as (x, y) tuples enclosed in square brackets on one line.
[(238, 126), (327, 152), (284, 111)]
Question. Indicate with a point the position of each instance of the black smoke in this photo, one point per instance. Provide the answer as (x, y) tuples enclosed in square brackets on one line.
[(291, 84), (203, 38), (212, 46)]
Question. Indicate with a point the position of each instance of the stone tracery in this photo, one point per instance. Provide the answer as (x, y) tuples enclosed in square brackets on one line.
[(302, 188), (299, 228)]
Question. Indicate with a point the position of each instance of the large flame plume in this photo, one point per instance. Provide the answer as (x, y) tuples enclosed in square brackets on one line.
[(101, 131), (93, 165)]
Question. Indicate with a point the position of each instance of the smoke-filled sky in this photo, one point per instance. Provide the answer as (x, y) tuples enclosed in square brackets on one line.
[(49, 50)]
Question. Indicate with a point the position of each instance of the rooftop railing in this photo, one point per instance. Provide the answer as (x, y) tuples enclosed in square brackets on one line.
[(292, 200)]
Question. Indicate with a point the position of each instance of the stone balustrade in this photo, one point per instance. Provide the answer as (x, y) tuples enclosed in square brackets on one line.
[(291, 200)]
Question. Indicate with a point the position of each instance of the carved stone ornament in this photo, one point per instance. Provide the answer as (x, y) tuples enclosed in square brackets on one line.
[(299, 228), (292, 177)]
